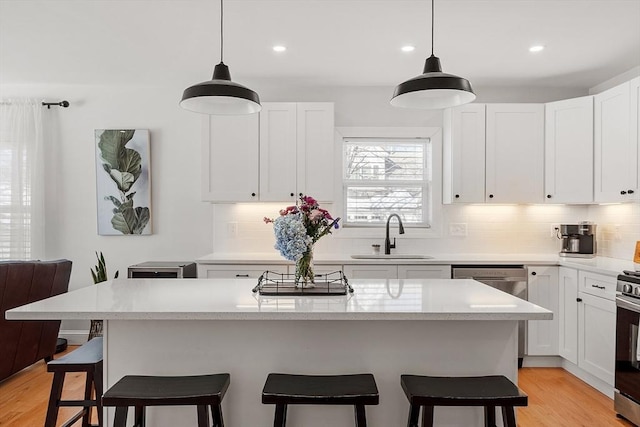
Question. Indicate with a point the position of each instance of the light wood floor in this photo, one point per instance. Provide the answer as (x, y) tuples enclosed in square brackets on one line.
[(556, 398)]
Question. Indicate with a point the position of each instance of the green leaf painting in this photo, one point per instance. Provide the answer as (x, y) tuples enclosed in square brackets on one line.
[(124, 157)]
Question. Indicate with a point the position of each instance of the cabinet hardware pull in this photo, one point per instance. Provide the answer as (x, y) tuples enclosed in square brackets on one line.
[(599, 287), (300, 194), (253, 194), (578, 299), (242, 275), (623, 192), (457, 196), (548, 196), (533, 273), (491, 196), (630, 191), (291, 194)]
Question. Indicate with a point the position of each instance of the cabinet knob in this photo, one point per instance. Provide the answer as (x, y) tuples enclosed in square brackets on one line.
[(630, 191), (292, 194), (578, 299), (457, 196), (242, 275), (253, 194), (548, 196), (491, 196), (300, 194), (533, 273), (623, 192)]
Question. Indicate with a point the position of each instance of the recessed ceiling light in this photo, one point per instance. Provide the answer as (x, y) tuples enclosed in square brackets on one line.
[(408, 48), (536, 48), (279, 48)]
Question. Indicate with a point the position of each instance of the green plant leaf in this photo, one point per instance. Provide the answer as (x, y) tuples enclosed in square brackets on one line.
[(124, 180), (142, 219), (111, 145)]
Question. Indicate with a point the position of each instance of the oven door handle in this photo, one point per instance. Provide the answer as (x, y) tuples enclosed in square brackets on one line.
[(622, 303)]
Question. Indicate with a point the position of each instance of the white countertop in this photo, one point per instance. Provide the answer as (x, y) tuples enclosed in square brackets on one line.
[(602, 265), (232, 299)]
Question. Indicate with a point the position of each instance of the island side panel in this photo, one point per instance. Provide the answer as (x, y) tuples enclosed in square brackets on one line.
[(249, 350)]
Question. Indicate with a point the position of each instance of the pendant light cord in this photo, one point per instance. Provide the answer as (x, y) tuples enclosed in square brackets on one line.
[(432, 25), (221, 32)]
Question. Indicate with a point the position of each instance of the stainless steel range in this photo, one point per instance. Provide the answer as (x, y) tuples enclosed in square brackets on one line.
[(627, 375)]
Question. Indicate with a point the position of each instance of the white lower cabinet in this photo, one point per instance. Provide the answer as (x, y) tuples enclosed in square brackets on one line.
[(542, 335), (237, 271), (424, 272), (568, 314), (371, 271), (597, 336)]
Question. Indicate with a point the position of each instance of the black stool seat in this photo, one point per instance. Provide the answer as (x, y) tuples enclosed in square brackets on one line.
[(86, 358), (285, 389), (141, 391), (487, 391)]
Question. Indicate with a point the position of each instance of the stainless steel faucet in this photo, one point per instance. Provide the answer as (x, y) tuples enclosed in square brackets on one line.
[(387, 243)]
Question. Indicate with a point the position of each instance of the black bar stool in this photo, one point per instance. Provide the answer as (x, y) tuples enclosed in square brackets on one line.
[(488, 391), (87, 358), (202, 391), (284, 389)]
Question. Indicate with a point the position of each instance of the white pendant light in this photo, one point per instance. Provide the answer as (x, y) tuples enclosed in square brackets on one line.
[(433, 89), (220, 95)]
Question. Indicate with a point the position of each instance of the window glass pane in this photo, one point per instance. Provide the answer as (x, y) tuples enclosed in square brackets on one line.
[(384, 161), (372, 205)]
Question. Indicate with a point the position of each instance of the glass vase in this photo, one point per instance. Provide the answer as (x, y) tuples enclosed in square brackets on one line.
[(304, 270)]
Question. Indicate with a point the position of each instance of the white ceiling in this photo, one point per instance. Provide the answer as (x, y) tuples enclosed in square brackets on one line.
[(330, 42)]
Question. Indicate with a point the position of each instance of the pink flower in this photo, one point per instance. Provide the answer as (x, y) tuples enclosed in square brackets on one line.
[(267, 220), (308, 200), (316, 215)]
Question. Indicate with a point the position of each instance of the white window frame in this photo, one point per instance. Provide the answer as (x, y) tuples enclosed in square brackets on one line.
[(375, 231)]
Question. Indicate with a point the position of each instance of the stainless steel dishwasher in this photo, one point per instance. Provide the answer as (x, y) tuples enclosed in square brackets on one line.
[(511, 279)]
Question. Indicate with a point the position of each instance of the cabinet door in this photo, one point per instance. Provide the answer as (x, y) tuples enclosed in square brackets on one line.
[(569, 151), (464, 154), (597, 336), (371, 271), (616, 156), (424, 272), (515, 153), (568, 314), (315, 150), (230, 158), (542, 335), (237, 271), (278, 152), (635, 134)]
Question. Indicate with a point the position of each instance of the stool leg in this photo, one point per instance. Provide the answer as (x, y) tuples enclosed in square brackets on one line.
[(216, 413), (414, 414), (141, 416), (280, 419), (88, 388), (509, 416), (98, 386), (120, 419), (361, 417), (203, 416), (490, 416), (427, 416), (54, 398)]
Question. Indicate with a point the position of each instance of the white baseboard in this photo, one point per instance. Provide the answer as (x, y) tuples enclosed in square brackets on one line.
[(593, 381), (73, 336), (542, 362)]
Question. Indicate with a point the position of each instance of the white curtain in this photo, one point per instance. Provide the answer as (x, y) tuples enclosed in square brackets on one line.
[(21, 179)]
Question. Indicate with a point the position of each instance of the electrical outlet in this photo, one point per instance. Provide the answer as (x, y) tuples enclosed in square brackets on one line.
[(458, 229), (554, 230), (232, 229)]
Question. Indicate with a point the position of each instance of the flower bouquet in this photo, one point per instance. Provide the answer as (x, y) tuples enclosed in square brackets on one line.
[(297, 229)]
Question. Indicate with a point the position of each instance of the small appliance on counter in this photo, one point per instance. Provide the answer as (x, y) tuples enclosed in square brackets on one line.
[(578, 240)]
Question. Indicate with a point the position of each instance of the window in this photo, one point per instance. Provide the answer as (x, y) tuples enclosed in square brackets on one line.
[(387, 175)]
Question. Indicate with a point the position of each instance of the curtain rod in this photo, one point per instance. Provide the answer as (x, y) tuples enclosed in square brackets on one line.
[(63, 104)]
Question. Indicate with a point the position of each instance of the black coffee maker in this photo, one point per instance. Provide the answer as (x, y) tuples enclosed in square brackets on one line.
[(578, 240)]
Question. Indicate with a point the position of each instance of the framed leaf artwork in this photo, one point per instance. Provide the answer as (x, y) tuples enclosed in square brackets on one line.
[(123, 181)]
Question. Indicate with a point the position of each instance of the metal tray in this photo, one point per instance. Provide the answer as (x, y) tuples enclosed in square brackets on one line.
[(273, 284)]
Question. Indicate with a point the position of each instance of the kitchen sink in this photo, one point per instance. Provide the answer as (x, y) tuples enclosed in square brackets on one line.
[(391, 256)]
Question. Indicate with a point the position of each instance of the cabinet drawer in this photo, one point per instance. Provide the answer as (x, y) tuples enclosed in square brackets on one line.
[(229, 271), (597, 284)]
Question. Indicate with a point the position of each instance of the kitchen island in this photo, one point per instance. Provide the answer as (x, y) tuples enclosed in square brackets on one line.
[(386, 327)]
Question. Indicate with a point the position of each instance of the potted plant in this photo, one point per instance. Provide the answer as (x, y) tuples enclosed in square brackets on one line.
[(99, 275)]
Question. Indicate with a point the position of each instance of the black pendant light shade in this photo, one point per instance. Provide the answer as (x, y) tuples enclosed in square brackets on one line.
[(220, 95), (433, 89)]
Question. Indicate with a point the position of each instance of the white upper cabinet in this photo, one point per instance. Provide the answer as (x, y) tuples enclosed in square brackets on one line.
[(616, 143), (569, 151), (285, 150), (230, 158), (464, 154), (278, 152), (515, 153), (635, 129)]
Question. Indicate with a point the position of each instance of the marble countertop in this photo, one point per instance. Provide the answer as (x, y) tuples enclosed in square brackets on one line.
[(232, 299), (602, 265)]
